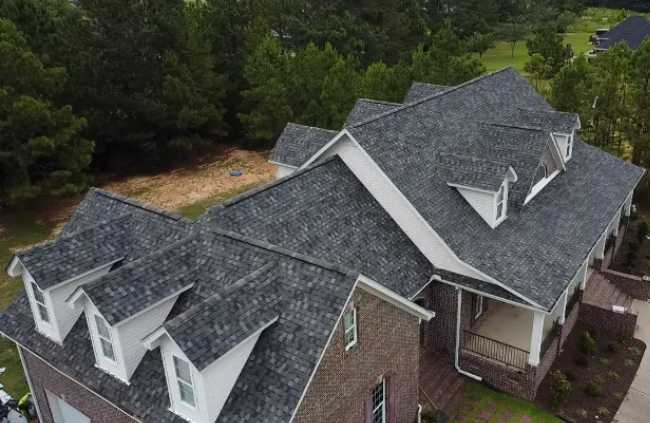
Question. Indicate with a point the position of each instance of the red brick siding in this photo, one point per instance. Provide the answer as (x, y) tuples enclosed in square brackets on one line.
[(601, 320), (388, 344), (44, 377)]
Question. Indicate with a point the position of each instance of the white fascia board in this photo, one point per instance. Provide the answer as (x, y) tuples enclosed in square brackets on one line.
[(326, 147), (157, 303), (282, 164), (512, 175), (485, 294), (154, 339), (81, 275), (537, 188), (467, 187), (76, 298), (393, 298), (15, 267)]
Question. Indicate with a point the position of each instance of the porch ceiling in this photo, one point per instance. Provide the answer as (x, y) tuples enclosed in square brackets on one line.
[(506, 323)]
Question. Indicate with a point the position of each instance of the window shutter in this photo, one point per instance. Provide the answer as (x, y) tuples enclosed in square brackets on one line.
[(391, 388)]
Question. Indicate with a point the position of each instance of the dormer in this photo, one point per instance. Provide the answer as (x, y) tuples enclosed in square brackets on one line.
[(201, 375), (47, 296), (117, 336), (483, 184), (564, 143)]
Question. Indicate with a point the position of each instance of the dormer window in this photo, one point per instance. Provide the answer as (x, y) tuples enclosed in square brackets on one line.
[(39, 301), (184, 381), (105, 338), (565, 145), (569, 147), (501, 203)]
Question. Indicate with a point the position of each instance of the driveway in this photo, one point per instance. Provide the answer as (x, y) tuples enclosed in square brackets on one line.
[(636, 405)]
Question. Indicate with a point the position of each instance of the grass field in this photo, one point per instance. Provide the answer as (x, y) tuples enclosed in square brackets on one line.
[(482, 404)]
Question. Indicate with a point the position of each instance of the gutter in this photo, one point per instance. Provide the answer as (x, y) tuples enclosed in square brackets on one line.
[(459, 297)]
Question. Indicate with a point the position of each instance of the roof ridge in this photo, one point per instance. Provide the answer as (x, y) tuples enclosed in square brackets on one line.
[(372, 100), (311, 127), (430, 97), (514, 126), (525, 109), (286, 252), (250, 193), (141, 205)]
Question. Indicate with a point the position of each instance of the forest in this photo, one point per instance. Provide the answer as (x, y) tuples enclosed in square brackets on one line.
[(95, 85)]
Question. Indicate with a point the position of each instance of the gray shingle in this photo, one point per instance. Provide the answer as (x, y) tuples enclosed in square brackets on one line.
[(365, 108), (326, 212), (631, 31), (538, 249), (297, 143), (421, 90), (471, 171)]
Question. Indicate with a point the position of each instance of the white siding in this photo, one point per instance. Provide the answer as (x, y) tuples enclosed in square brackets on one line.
[(115, 368), (49, 329), (131, 333), (482, 202), (212, 386)]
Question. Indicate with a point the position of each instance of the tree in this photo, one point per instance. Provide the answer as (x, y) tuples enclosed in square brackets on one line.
[(41, 149), (640, 81), (445, 61), (383, 82), (480, 43), (547, 43), (572, 89), (339, 92), (266, 71), (145, 78), (537, 68), (512, 32)]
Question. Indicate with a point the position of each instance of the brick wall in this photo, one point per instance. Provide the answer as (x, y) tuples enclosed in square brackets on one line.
[(598, 319), (388, 345), (44, 377), (569, 323)]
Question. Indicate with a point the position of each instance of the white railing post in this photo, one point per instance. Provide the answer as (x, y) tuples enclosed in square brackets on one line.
[(564, 300), (536, 337)]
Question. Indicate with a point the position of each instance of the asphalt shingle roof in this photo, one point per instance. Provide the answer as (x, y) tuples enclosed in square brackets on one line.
[(631, 31), (421, 90), (365, 108), (471, 171), (324, 211), (298, 143), (527, 252)]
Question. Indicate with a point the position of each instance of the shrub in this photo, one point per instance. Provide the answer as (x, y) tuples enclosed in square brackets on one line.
[(599, 379), (587, 344), (560, 386), (613, 375), (603, 412), (582, 413), (629, 363), (593, 389), (604, 361), (582, 360)]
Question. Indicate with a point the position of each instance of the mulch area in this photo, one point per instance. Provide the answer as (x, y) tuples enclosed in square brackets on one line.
[(612, 366)]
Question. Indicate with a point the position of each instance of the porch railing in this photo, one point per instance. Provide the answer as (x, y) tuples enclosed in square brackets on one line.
[(495, 350)]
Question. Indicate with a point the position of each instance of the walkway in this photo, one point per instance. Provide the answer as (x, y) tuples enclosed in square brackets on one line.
[(602, 293), (636, 405), (440, 383)]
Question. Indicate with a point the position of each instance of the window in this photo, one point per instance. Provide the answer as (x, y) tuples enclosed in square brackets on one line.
[(350, 328), (39, 299), (105, 340), (478, 306), (379, 403), (500, 202), (184, 381), (569, 146)]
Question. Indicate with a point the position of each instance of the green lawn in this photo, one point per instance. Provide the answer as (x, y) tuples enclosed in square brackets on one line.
[(18, 229), (483, 404), (594, 18)]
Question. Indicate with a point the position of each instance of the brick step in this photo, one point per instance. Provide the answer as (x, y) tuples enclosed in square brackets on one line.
[(452, 396), (443, 387)]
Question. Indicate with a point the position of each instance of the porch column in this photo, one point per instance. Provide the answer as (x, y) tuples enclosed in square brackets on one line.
[(600, 246), (585, 269), (536, 337), (627, 207), (617, 223), (563, 302)]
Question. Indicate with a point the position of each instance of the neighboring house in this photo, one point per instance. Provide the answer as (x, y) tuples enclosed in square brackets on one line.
[(632, 31), (312, 299)]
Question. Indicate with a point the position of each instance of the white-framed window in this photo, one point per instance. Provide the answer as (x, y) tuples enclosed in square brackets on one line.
[(105, 339), (569, 147), (379, 403), (350, 328), (39, 300), (478, 306), (501, 204), (184, 381)]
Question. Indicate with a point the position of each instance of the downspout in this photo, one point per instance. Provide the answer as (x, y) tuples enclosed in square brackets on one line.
[(459, 297)]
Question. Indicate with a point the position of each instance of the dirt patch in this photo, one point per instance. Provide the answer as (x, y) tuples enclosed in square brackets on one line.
[(612, 367), (183, 186)]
